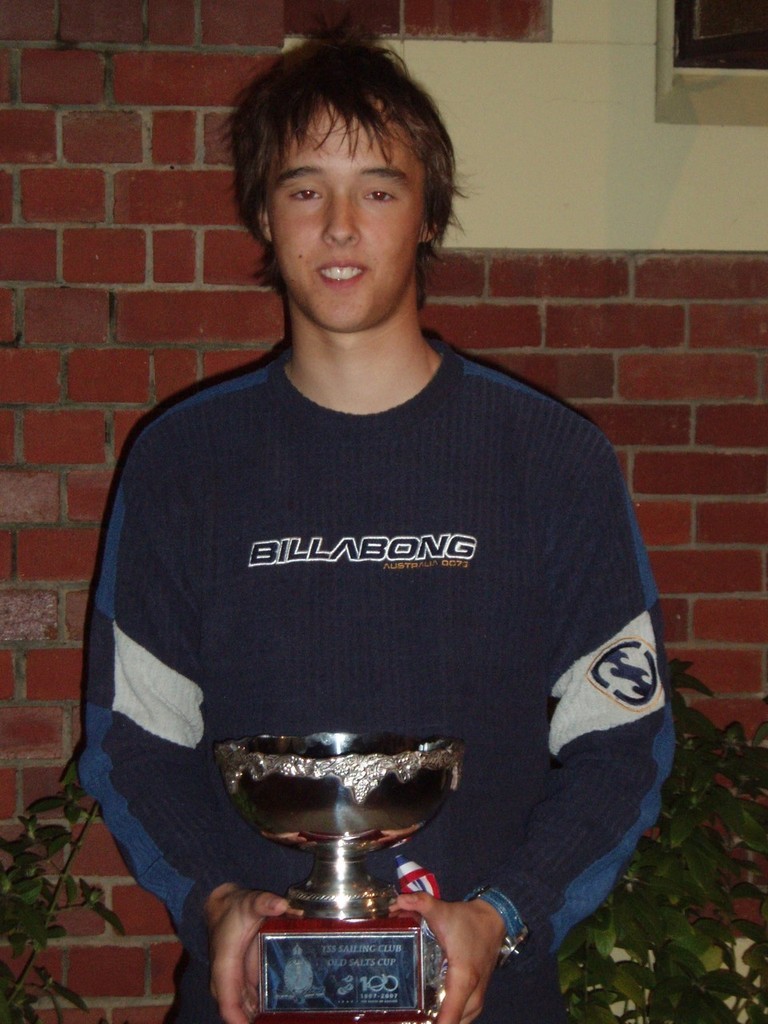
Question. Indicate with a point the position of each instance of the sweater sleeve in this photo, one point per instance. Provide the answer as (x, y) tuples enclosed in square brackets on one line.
[(145, 758), (611, 733)]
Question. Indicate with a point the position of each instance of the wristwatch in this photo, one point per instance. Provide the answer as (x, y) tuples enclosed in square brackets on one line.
[(517, 931)]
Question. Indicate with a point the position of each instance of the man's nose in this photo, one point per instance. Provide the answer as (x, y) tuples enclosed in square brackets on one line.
[(341, 222)]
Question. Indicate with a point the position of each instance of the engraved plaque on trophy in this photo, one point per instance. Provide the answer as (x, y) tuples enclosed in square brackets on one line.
[(341, 796)]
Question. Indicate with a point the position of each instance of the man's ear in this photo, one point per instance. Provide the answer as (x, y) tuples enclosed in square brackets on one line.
[(427, 233), (264, 225)]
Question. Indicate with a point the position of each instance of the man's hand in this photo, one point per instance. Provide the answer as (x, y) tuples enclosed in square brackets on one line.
[(234, 917), (470, 935)]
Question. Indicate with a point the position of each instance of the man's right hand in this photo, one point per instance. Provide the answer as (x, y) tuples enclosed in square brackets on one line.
[(234, 917)]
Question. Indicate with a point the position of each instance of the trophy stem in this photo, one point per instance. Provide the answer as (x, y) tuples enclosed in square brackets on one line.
[(339, 887)]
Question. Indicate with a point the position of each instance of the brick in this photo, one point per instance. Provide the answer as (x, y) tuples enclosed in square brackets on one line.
[(99, 854), (175, 370), (7, 682), (699, 473), (164, 960), (109, 375), (107, 971), (687, 375), (87, 495), (728, 326), (731, 620), (724, 711), (216, 148), (7, 316), (456, 274), (676, 616), (66, 316), (733, 426), (173, 136), (32, 20), (27, 136), (27, 254), (125, 423), (572, 376), (62, 195), (710, 571), (6, 555), (64, 436), (174, 256), (732, 522), (50, 959), (172, 22), (90, 21), (485, 326), (7, 793), (5, 76), (231, 22), (54, 673), (725, 669), (7, 436), (39, 781), (615, 325), (302, 17), (174, 197), (154, 1014), (140, 911), (82, 922), (102, 137), (231, 257), (27, 375), (641, 424), (246, 316), (559, 275), (188, 79), (702, 277), (75, 615), (6, 197), (93, 1015), (665, 522), (28, 497), (104, 255), (34, 732), (216, 364), (495, 19), (62, 76), (57, 553)]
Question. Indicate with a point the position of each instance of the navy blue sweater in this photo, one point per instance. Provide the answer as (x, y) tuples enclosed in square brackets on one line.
[(457, 565)]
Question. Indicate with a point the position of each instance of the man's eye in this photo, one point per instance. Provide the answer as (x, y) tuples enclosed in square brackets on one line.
[(305, 193), (380, 195)]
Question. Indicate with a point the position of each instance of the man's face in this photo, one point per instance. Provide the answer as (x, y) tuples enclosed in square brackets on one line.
[(345, 219)]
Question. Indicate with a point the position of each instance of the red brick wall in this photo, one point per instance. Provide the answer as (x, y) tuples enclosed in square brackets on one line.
[(125, 279)]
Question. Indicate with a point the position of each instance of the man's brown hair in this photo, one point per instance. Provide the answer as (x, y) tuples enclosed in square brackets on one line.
[(357, 85)]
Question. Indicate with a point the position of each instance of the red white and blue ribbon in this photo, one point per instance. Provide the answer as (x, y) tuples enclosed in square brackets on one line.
[(414, 878)]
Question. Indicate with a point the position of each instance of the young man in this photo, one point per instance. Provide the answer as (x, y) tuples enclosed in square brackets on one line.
[(373, 534)]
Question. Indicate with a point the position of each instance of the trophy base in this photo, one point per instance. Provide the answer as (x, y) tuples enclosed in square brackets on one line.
[(378, 970)]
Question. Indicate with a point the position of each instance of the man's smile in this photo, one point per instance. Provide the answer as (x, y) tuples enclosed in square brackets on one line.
[(341, 273)]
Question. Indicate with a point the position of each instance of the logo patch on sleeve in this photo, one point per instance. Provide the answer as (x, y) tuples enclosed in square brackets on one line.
[(627, 672)]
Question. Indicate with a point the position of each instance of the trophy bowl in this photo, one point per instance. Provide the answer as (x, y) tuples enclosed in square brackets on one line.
[(340, 796)]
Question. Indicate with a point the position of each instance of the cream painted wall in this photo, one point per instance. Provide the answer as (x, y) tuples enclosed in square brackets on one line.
[(558, 145)]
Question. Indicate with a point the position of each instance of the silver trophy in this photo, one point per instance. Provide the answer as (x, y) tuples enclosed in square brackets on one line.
[(341, 796)]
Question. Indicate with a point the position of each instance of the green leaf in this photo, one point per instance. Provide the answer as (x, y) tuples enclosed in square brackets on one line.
[(753, 833), (594, 1014), (109, 916), (68, 994)]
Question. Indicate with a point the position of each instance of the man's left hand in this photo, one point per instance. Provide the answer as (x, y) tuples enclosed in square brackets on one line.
[(470, 935)]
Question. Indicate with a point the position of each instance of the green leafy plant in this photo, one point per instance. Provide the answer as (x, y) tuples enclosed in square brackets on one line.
[(37, 889), (683, 939)]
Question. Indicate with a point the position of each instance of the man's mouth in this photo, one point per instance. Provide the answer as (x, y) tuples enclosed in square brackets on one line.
[(340, 273)]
